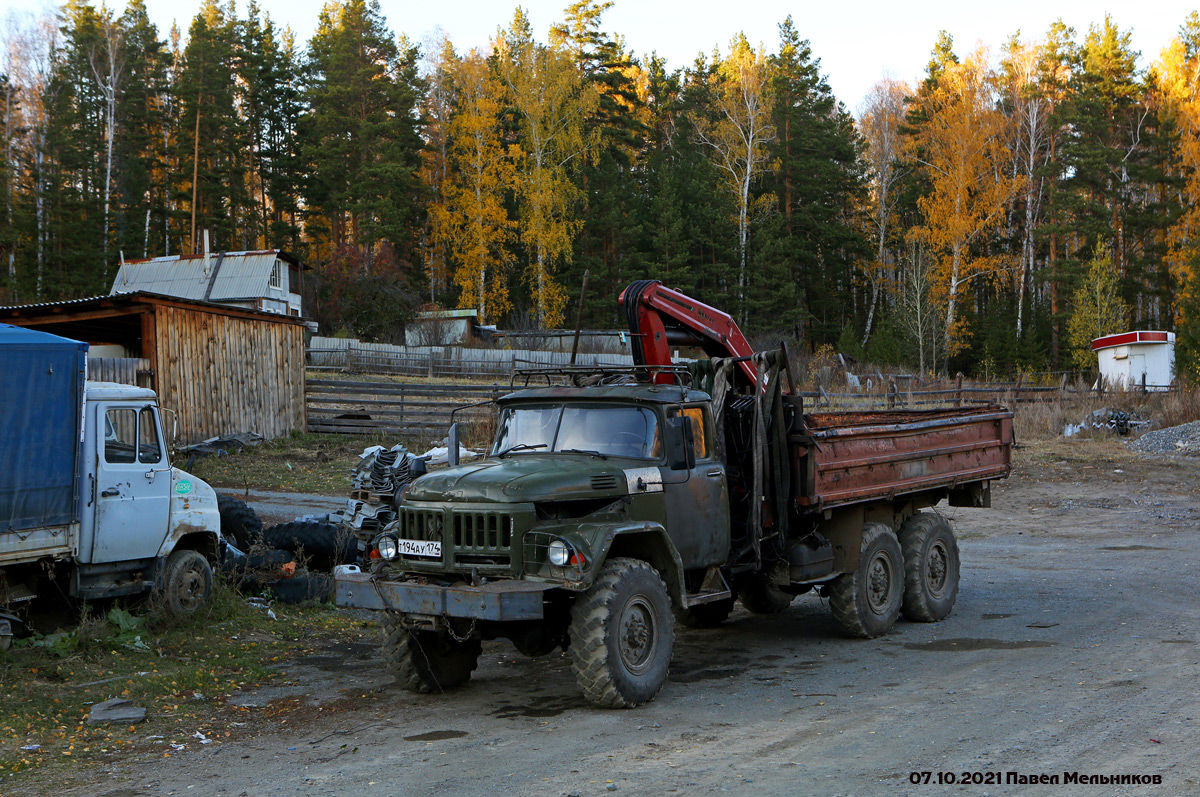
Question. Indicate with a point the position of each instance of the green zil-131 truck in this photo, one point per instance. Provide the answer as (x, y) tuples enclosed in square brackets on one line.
[(616, 504)]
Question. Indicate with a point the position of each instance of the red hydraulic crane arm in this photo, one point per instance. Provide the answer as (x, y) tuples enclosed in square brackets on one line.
[(660, 318)]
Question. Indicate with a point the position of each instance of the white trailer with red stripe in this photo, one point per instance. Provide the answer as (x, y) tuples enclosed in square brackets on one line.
[(1136, 360)]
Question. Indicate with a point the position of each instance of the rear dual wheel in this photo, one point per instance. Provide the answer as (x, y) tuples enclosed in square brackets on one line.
[(867, 602), (931, 567)]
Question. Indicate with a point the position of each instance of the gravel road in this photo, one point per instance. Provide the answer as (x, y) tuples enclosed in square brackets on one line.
[(1072, 649)]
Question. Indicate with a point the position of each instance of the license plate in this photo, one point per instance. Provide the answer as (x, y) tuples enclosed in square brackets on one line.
[(430, 548)]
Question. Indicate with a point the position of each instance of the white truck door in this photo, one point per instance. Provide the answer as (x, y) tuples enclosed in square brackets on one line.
[(133, 484)]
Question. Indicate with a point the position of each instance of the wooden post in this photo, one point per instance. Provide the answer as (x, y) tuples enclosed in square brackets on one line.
[(579, 316), (893, 391), (150, 345), (958, 389)]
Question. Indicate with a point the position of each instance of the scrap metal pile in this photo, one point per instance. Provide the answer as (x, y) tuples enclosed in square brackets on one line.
[(377, 485)]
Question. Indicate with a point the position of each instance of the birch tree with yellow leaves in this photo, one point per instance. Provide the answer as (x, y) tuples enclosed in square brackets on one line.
[(552, 104), (880, 124), (962, 147), (1029, 108), (477, 219), (437, 109), (737, 132), (1176, 78)]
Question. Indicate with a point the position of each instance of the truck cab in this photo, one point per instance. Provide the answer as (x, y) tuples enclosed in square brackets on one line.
[(137, 509), (570, 474)]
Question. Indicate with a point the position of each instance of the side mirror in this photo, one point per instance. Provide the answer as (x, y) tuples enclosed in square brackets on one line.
[(452, 445), (680, 443)]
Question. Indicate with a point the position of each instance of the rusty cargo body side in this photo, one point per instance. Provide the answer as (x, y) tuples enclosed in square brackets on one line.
[(852, 457)]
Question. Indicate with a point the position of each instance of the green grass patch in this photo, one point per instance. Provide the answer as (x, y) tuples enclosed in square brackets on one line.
[(180, 670)]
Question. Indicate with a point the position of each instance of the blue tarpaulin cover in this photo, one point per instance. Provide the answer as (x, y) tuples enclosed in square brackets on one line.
[(41, 397)]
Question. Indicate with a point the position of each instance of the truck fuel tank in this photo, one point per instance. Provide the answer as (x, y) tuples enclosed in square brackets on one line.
[(810, 558)]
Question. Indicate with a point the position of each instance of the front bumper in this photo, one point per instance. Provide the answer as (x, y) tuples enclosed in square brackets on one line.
[(500, 601)]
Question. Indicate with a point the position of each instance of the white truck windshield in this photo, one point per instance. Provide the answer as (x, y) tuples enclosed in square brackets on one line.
[(589, 429)]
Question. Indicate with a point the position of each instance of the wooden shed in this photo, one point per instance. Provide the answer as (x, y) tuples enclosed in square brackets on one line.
[(224, 370)]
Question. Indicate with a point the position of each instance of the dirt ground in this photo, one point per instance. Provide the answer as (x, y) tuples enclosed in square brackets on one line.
[(1072, 649)]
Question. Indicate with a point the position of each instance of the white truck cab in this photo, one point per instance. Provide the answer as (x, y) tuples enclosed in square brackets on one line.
[(137, 508)]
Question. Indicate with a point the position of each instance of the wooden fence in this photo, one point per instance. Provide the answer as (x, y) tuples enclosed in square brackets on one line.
[(895, 392), (362, 407), (442, 362), (347, 407)]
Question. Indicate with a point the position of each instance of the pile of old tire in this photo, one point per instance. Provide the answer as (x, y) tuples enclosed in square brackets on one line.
[(240, 524), (322, 545), (274, 572)]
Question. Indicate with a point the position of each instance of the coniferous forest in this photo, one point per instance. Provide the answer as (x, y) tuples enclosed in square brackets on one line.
[(996, 212)]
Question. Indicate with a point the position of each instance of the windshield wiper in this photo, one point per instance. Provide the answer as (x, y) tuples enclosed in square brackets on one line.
[(520, 447), (582, 451)]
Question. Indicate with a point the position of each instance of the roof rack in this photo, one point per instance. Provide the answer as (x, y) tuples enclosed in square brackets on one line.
[(595, 375)]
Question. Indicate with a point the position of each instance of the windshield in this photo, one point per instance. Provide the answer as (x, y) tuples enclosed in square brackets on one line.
[(604, 430)]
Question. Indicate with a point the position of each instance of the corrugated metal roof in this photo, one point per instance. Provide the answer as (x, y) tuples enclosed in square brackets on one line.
[(232, 275), (61, 303), (128, 299)]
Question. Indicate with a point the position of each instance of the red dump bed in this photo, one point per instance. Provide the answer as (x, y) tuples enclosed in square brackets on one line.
[(849, 457)]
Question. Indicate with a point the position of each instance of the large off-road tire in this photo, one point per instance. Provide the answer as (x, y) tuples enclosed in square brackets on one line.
[(303, 586), (239, 523), (761, 597), (187, 583), (705, 615), (866, 603), (323, 544), (622, 634), (931, 567), (427, 661)]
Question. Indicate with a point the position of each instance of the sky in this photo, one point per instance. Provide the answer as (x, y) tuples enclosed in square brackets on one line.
[(858, 42)]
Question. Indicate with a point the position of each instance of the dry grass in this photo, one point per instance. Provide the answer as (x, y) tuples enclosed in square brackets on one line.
[(1045, 420), (305, 463), (181, 670)]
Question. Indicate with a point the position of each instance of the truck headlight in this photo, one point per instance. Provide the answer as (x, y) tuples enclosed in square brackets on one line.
[(559, 552), (387, 547)]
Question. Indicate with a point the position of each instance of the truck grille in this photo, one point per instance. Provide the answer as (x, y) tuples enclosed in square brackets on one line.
[(422, 524), (468, 537), (488, 531)]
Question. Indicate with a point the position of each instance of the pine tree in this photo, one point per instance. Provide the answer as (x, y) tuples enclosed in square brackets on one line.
[(213, 137), (362, 130), (819, 190), (140, 157)]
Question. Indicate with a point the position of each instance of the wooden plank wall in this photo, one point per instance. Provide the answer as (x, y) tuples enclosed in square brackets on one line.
[(123, 370), (347, 407), (225, 374)]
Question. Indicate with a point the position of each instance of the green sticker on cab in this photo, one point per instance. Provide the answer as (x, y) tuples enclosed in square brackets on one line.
[(183, 487)]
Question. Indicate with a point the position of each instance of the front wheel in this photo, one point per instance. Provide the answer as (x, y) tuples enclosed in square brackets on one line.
[(187, 582), (622, 634), (427, 661), (866, 603), (930, 567)]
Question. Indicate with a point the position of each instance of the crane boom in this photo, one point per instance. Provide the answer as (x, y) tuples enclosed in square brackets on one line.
[(660, 317)]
